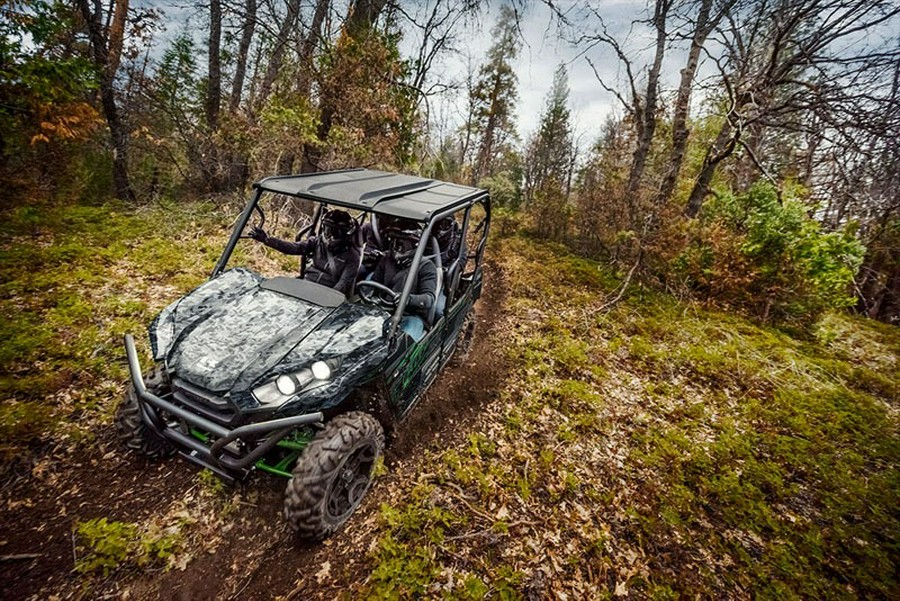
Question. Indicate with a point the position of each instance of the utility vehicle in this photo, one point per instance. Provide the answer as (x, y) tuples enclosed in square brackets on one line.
[(283, 375)]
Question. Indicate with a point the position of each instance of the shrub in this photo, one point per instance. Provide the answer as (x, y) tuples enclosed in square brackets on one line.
[(506, 222), (768, 255), (550, 212), (505, 190)]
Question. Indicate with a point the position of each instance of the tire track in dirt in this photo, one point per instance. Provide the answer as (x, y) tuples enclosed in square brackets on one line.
[(62, 488)]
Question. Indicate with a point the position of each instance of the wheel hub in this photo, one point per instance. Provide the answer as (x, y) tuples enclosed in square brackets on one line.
[(351, 483)]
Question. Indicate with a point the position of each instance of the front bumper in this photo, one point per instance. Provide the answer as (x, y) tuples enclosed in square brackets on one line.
[(229, 452)]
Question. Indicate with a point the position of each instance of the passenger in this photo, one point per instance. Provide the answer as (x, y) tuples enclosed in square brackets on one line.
[(449, 238), (401, 237), (335, 256)]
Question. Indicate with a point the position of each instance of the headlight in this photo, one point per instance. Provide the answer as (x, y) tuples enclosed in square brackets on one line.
[(286, 386), (321, 370)]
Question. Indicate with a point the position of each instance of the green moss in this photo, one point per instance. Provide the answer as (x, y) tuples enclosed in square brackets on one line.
[(566, 434), (472, 588), (105, 546), (747, 428), (507, 583), (210, 484), (481, 446), (513, 423), (21, 422), (403, 568)]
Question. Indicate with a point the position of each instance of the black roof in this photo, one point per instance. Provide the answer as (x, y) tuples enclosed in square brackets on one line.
[(386, 193)]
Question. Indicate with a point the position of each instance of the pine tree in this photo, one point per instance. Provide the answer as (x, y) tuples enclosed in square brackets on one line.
[(549, 161), (549, 154), (493, 98)]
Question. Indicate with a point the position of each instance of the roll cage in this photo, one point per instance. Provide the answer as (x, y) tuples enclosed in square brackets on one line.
[(424, 200)]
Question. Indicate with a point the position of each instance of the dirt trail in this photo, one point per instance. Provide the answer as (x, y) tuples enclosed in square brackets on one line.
[(254, 554), (41, 509)]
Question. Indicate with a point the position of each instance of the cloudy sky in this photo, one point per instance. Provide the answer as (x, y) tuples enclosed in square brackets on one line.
[(545, 47)]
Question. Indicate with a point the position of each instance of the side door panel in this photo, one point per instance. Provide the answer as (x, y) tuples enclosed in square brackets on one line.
[(453, 321), (414, 369)]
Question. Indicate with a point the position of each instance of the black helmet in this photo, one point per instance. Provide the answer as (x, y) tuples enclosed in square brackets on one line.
[(444, 231), (402, 236), (337, 228), (385, 223)]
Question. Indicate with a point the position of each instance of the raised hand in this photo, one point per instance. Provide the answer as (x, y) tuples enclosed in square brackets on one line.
[(258, 234)]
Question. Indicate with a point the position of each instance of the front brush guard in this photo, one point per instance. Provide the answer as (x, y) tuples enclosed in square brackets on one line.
[(213, 456)]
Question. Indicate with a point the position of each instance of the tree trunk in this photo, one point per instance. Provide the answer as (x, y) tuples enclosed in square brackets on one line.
[(680, 131), (119, 12), (240, 70), (889, 305), (484, 160), (277, 57), (880, 292), (307, 51), (647, 121), (363, 14), (310, 158), (214, 81), (107, 50), (285, 164), (211, 155), (719, 151), (119, 134), (466, 142), (237, 167)]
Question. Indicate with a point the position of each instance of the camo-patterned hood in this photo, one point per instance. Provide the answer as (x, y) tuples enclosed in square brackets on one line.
[(229, 333)]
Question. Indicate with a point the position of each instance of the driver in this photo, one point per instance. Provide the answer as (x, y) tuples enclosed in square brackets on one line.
[(335, 257), (401, 237)]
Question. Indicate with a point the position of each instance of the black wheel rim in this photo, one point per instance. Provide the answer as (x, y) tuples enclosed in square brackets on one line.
[(351, 482)]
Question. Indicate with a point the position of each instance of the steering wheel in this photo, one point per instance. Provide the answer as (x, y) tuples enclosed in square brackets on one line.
[(377, 294)]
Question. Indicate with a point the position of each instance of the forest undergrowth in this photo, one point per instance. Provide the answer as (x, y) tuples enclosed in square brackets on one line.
[(74, 280), (656, 448)]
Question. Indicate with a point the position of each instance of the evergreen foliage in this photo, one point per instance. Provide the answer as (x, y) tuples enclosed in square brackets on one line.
[(374, 117), (45, 84), (493, 99), (548, 163)]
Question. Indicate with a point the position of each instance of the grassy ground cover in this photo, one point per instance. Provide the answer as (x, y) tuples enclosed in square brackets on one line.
[(660, 450), (73, 280)]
